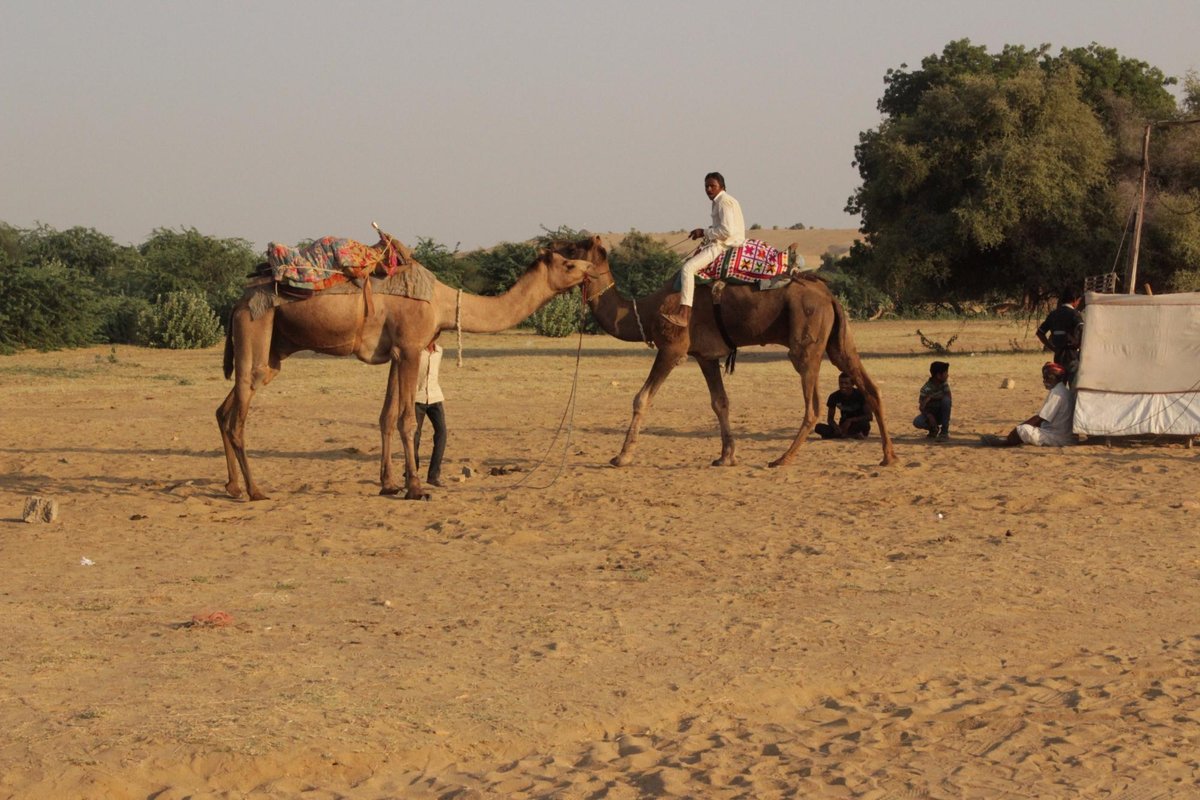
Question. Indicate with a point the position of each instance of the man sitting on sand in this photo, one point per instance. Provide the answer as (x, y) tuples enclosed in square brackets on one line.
[(1051, 426), (855, 422)]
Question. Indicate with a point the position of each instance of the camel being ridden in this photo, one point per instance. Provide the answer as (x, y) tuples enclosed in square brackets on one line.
[(804, 316), (395, 330)]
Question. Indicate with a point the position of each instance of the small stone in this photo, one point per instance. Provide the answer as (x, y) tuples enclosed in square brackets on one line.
[(1008, 383), (40, 509), (468, 472)]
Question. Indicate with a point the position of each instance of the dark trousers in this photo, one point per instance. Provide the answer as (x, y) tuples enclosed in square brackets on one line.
[(826, 431), (941, 411), (437, 417)]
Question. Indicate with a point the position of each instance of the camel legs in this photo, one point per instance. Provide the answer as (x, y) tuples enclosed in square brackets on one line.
[(851, 364), (664, 362), (711, 367), (253, 367), (400, 413), (805, 356)]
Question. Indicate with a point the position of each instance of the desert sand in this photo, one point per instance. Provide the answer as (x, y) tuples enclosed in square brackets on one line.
[(968, 623)]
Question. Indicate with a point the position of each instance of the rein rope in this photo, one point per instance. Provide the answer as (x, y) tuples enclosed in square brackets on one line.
[(458, 324), (567, 418), (636, 316)]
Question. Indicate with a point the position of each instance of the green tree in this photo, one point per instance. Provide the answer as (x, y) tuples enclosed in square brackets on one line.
[(990, 173), (187, 260), (84, 250), (641, 264), (440, 260), (499, 267), (47, 306)]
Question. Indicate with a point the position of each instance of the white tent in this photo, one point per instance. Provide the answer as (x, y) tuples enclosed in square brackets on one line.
[(1139, 367)]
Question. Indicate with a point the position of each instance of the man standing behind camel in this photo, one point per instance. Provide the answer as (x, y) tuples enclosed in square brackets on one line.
[(428, 403), (728, 229)]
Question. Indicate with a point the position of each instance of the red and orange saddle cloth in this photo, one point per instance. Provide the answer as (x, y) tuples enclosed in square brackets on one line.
[(331, 260)]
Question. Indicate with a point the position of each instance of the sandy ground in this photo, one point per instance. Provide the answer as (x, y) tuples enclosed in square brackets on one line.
[(968, 623)]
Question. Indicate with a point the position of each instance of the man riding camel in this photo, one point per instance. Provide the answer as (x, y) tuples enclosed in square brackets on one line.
[(728, 229)]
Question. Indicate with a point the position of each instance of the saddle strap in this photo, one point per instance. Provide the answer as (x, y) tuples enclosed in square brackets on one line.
[(731, 359)]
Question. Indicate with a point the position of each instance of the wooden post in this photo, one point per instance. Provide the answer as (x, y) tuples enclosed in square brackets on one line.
[(1131, 275)]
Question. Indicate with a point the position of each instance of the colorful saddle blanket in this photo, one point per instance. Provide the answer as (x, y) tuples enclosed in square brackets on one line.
[(329, 260), (750, 262)]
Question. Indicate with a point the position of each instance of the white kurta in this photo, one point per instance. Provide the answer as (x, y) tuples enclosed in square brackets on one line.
[(728, 229), (428, 389), (1055, 430)]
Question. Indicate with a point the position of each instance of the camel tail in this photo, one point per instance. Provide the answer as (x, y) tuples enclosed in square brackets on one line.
[(229, 349), (844, 355)]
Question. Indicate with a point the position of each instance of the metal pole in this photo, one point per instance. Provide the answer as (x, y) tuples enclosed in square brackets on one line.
[(1131, 275)]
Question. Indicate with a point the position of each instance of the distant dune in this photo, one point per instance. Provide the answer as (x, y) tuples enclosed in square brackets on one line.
[(811, 243)]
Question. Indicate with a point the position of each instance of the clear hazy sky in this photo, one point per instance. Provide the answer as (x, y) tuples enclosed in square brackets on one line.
[(477, 122)]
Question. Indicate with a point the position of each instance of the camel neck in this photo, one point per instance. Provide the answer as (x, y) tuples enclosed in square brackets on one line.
[(493, 314), (617, 315)]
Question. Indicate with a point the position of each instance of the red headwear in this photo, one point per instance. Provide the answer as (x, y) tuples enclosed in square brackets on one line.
[(1053, 368)]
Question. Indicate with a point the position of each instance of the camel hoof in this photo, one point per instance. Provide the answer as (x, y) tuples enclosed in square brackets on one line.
[(417, 495), (389, 490), (619, 461), (258, 496), (724, 461), (779, 462), (233, 490), (888, 460)]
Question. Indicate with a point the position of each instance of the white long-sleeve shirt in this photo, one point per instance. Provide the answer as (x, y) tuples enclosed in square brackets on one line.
[(728, 227), (428, 389)]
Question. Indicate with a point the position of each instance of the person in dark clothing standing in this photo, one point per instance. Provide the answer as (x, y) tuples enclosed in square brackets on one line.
[(1062, 331)]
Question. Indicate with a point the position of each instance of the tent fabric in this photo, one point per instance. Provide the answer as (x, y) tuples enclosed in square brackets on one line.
[(1139, 367), (1122, 414)]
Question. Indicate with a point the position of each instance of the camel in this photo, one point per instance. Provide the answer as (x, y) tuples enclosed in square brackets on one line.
[(804, 316), (393, 331)]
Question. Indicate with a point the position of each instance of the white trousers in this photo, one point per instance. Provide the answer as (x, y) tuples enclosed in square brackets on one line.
[(687, 273), (1042, 438)]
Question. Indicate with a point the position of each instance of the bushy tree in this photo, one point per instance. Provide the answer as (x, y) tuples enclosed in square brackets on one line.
[(641, 264), (46, 306), (440, 260), (84, 250), (1014, 172), (499, 268), (187, 260)]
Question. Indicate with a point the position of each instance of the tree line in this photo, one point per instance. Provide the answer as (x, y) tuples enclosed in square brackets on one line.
[(1015, 174), (992, 176), (79, 287)]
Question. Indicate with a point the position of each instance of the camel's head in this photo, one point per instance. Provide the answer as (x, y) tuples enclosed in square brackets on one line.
[(592, 251), (563, 274)]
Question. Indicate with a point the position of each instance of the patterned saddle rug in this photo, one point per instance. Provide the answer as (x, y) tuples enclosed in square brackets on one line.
[(754, 263), (750, 262), (331, 260)]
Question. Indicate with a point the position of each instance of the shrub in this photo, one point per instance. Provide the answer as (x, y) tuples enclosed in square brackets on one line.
[(559, 317), (181, 321), (859, 296), (123, 319), (47, 307), (1185, 280)]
